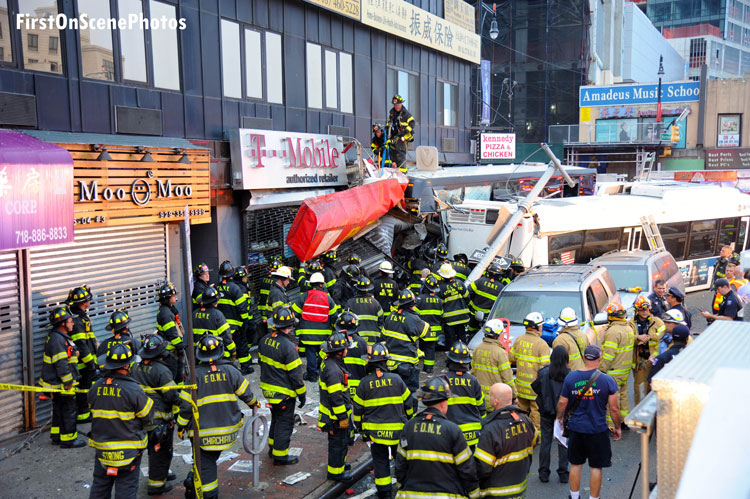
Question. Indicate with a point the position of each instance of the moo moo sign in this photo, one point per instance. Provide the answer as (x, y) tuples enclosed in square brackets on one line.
[(263, 159)]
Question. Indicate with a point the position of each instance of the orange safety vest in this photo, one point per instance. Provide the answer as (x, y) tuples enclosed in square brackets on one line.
[(316, 306), (717, 302), (737, 283)]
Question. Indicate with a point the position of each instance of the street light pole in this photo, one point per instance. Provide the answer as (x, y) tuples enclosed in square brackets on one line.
[(658, 94)]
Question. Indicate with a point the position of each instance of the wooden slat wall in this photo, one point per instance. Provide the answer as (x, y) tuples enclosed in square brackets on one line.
[(126, 166)]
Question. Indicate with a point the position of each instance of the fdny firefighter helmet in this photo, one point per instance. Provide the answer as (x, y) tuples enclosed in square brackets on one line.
[(386, 266), (493, 328), (166, 291), (377, 127), (616, 310), (406, 298), (436, 389), (59, 315), (674, 316), (354, 259), (153, 346), (348, 321), (351, 271), (329, 256), (226, 269), (282, 272), (283, 317), (642, 303), (397, 99), (200, 269), (442, 251), (447, 271), (430, 253), (533, 320), (337, 342), (517, 264), (459, 353), (118, 356), (239, 272), (118, 321), (431, 282), (567, 317), (210, 348), (275, 263), (379, 353), (79, 295), (494, 271), (364, 284), (314, 266), (210, 296), (317, 278)]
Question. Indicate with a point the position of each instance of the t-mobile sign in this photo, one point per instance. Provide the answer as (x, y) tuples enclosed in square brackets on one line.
[(497, 146)]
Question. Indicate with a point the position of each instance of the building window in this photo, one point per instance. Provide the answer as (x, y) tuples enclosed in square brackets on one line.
[(697, 52), (53, 42), (314, 77), (109, 69), (32, 11), (132, 42), (274, 69), (332, 72), (404, 84), (96, 44), (231, 70), (332, 86), (447, 104), (164, 51), (253, 65), (5, 33), (347, 96), (2, 54)]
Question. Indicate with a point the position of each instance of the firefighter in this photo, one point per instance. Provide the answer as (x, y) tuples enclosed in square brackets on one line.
[(355, 359), (355, 260), (386, 289), (441, 257), (490, 364), (201, 282), (249, 326), (503, 455), (305, 272), (79, 301), (382, 405), (415, 266), (169, 327), (343, 290), (617, 355), (455, 307), (401, 331), (328, 260), (277, 293), (60, 371), (233, 304), (121, 412), (483, 293), (433, 458), (467, 408), (209, 320), (281, 382), (400, 132), (318, 314), (119, 323), (377, 145), (430, 309), (220, 384), (530, 353), (573, 339), (368, 311), (153, 372), (650, 329), (265, 289), (461, 266), (335, 407)]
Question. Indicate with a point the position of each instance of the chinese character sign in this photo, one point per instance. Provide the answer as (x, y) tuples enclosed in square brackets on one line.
[(36, 192), (403, 19), (460, 13)]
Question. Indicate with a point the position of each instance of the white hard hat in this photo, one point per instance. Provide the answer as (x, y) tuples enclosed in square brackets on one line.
[(283, 272), (494, 327), (386, 266), (674, 316), (447, 271), (534, 320), (567, 317), (317, 278)]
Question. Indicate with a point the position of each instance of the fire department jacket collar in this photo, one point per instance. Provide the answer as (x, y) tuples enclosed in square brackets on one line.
[(115, 375), (434, 411), (502, 413), (62, 333)]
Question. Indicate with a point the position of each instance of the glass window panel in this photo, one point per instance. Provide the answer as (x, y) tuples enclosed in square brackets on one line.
[(314, 77), (230, 59), (412, 97), (440, 90), (347, 98), (54, 42), (704, 225), (729, 223), (35, 38), (253, 65), (332, 86), (403, 84), (274, 69), (165, 55), (702, 244), (132, 42), (675, 245), (673, 229), (96, 44), (603, 235)]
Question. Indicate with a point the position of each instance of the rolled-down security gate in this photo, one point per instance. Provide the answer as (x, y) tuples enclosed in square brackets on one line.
[(11, 351), (123, 267)]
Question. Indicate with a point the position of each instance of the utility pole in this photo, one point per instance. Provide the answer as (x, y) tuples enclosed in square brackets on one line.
[(658, 94)]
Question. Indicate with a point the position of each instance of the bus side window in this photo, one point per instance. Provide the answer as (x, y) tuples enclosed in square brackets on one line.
[(728, 234), (674, 236), (702, 239), (741, 240)]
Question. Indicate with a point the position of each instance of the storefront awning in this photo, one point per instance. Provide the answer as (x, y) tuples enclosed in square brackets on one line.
[(324, 222), (36, 192)]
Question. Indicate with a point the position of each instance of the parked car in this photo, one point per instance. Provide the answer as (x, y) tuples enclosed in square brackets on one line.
[(640, 268), (547, 289)]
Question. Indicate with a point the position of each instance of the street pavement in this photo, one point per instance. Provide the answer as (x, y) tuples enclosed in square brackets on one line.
[(41, 470)]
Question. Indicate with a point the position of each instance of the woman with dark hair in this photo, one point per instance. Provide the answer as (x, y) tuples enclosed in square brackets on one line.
[(548, 385)]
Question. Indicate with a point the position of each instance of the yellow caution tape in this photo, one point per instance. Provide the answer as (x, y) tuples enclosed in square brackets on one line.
[(41, 389)]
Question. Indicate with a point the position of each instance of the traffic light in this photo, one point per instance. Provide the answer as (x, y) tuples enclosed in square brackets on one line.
[(675, 134)]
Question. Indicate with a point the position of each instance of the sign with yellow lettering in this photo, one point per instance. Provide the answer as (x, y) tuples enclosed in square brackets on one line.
[(400, 18), (348, 8), (459, 12)]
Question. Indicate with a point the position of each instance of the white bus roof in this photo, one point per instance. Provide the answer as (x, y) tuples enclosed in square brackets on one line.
[(667, 202), (514, 170)]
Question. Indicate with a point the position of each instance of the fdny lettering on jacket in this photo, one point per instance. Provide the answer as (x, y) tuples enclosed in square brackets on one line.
[(460, 381), (202, 315), (271, 342), (515, 430), (214, 377), (379, 383), (108, 391), (426, 427)]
